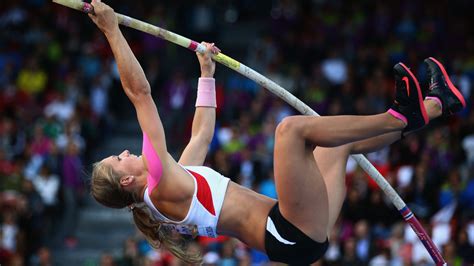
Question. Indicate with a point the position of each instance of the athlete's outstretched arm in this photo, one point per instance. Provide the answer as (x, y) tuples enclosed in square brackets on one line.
[(205, 114), (133, 78)]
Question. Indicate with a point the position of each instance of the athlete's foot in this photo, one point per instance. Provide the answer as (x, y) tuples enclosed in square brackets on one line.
[(408, 105), (442, 90)]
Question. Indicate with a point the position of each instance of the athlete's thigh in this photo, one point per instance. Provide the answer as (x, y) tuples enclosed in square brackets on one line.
[(332, 164), (302, 194)]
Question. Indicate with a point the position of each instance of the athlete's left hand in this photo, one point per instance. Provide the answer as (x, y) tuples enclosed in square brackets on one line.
[(208, 66)]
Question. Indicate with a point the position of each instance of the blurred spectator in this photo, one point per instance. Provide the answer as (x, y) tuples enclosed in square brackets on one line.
[(106, 259), (465, 249), (334, 68), (71, 134), (211, 258), (381, 214), (468, 145), (227, 257), (363, 241), (16, 260), (60, 108), (12, 139), (449, 254), (333, 254), (73, 190), (349, 253), (47, 184), (43, 257), (7, 167), (451, 188), (467, 197), (398, 247), (382, 259), (30, 207), (99, 97), (10, 231), (32, 79), (176, 94), (5, 255), (130, 255), (52, 127), (40, 144), (353, 207)]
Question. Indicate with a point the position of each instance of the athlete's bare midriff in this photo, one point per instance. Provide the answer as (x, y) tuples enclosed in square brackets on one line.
[(244, 215)]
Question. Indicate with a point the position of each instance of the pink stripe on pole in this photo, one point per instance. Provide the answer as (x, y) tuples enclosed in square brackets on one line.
[(193, 45), (87, 8), (426, 241)]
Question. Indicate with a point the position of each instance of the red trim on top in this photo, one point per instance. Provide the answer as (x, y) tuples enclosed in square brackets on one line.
[(204, 194)]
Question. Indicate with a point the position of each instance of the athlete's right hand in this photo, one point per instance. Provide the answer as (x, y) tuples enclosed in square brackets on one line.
[(104, 17)]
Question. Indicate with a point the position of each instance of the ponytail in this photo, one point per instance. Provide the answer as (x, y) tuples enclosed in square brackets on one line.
[(156, 234)]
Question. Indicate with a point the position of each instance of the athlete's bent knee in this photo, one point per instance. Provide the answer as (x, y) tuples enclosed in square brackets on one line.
[(289, 126)]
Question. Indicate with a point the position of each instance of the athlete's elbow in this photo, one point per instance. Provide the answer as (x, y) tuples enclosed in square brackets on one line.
[(203, 140), (136, 93), (207, 141), (208, 135)]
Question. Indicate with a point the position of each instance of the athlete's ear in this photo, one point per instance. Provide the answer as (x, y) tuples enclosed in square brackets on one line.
[(127, 180)]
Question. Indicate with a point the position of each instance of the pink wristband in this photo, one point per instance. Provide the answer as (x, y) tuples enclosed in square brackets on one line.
[(206, 93)]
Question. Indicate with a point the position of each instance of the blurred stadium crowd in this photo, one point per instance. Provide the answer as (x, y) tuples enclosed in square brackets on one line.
[(60, 98)]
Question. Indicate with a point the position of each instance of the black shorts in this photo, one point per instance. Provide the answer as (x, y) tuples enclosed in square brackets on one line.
[(285, 243)]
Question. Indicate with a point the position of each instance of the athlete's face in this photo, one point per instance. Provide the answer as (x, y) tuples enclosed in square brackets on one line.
[(126, 163)]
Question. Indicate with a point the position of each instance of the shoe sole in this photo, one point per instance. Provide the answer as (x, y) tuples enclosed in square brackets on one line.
[(451, 86), (418, 91)]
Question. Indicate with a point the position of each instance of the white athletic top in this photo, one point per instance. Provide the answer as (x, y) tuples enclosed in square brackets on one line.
[(206, 205)]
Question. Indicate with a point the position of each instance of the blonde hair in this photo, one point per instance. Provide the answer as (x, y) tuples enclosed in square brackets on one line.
[(106, 189)]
